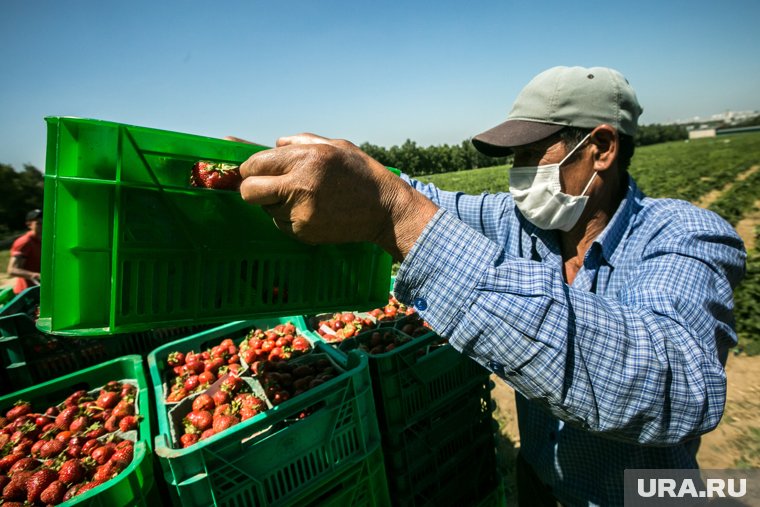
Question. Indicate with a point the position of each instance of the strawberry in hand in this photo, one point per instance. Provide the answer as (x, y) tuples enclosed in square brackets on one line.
[(215, 175)]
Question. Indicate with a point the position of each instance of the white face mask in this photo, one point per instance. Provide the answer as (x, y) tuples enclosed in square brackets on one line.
[(538, 195)]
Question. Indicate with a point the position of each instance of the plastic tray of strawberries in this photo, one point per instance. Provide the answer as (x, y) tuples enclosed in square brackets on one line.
[(317, 428), (192, 364), (338, 326), (81, 439)]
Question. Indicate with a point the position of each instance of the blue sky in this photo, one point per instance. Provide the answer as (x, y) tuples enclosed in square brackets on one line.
[(435, 72)]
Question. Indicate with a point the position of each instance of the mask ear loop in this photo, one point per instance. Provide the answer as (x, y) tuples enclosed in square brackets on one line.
[(570, 154)]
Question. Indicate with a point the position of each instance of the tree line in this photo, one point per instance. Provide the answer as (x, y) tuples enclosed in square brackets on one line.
[(20, 192), (418, 160)]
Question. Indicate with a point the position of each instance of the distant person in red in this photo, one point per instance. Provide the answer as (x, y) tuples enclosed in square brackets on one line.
[(25, 254)]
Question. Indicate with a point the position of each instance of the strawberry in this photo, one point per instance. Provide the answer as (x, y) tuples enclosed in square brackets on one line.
[(175, 359), (220, 176), (128, 390), (108, 399), (20, 408), (23, 464), (15, 490), (123, 455), (89, 446), (66, 417), (200, 419), (74, 398), (72, 471), (125, 407), (37, 483), (221, 397), (223, 422), (104, 472), (53, 494), (72, 492), (112, 424), (203, 402), (87, 487), (129, 422), (189, 439), (52, 448), (79, 424), (95, 431), (8, 461), (102, 454)]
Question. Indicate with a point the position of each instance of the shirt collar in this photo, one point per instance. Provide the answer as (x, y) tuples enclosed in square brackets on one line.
[(620, 224), (617, 229)]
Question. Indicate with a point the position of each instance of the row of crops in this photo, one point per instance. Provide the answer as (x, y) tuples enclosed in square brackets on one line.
[(683, 170)]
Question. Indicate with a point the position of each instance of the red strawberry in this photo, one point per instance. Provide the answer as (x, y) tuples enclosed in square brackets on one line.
[(102, 454), (215, 175), (203, 402), (87, 487), (74, 399), (222, 422), (15, 490), (53, 494), (80, 423), (66, 417), (200, 419), (22, 465), (175, 359), (71, 471), (129, 422), (112, 424), (189, 439), (123, 455), (89, 446), (221, 397), (128, 390), (71, 492), (108, 399), (20, 408), (125, 407), (37, 483), (104, 472), (6, 462), (52, 448)]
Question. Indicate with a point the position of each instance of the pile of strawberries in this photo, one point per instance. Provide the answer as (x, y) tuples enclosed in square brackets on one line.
[(194, 372), (215, 413), (49, 457), (282, 342)]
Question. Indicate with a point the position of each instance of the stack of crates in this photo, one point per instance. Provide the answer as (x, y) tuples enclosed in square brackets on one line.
[(135, 486), (434, 410), (332, 456), (29, 356)]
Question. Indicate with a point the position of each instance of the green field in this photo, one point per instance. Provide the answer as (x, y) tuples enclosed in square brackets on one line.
[(684, 170)]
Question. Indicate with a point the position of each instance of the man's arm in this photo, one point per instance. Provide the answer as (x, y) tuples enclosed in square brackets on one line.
[(16, 268)]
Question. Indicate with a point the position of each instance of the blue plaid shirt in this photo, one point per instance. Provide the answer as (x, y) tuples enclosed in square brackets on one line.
[(622, 369)]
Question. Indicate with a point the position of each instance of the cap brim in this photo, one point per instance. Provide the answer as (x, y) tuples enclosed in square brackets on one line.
[(498, 141)]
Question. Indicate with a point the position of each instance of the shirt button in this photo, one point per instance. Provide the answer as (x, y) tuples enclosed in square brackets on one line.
[(420, 304)]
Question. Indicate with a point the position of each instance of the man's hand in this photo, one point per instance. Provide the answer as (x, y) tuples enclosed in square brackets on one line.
[(329, 191)]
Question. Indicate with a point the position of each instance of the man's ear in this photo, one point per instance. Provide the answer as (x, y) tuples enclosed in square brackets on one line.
[(605, 142)]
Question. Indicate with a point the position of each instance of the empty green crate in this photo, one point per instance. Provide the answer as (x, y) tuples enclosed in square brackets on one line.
[(135, 486), (6, 295), (129, 245), (274, 457)]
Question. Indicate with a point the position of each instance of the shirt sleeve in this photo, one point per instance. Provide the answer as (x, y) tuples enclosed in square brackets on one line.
[(643, 366), (21, 247), (484, 213)]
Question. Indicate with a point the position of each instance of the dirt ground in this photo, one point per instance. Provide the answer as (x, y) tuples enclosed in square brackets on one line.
[(735, 443)]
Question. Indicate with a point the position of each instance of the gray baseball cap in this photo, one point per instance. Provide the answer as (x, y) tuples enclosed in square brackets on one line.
[(564, 97)]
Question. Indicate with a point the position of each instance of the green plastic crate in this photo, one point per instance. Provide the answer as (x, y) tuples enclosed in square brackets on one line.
[(26, 302), (129, 245), (273, 458), (415, 378), (6, 295), (361, 484), (135, 486), (420, 459)]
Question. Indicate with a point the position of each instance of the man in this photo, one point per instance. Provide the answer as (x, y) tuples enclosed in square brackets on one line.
[(26, 254), (610, 313)]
